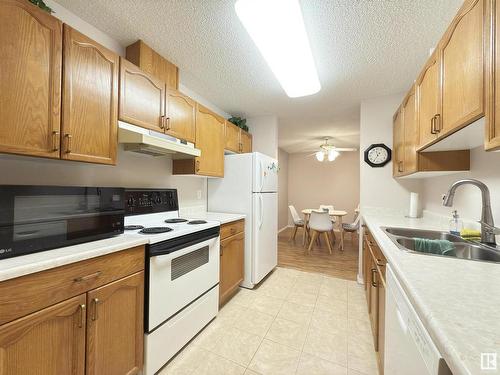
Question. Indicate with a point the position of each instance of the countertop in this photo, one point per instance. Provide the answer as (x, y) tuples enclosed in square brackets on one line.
[(27, 264), (31, 263), (457, 300)]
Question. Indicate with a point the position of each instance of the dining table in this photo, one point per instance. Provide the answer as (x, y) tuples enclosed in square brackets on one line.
[(337, 214)]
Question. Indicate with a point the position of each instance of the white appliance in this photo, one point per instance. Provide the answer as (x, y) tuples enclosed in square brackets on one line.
[(182, 272), (409, 349), (250, 187)]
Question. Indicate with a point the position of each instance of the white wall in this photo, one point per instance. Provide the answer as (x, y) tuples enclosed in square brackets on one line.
[(378, 187), (132, 170), (484, 167), (283, 189), (264, 130)]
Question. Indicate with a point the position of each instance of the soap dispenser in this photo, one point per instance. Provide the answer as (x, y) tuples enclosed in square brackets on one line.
[(456, 224)]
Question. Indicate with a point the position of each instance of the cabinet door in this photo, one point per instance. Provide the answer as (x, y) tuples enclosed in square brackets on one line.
[(210, 140), (50, 341), (90, 100), (492, 141), (462, 69), (232, 137), (246, 142), (142, 98), (398, 138), (232, 251), (374, 299), (181, 116), (30, 80), (410, 133), (115, 327), (429, 93)]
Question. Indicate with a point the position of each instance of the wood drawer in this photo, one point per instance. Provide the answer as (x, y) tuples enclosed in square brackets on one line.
[(26, 294), (230, 229)]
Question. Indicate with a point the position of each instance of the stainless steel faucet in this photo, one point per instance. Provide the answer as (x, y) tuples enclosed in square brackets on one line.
[(488, 229)]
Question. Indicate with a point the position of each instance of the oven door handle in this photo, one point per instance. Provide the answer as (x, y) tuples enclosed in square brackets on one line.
[(178, 249)]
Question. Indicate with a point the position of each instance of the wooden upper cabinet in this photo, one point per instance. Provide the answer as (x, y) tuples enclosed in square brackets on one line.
[(492, 139), (398, 146), (246, 142), (115, 327), (153, 63), (428, 88), (142, 98), (181, 116), (410, 132), (90, 100), (30, 80), (232, 137), (210, 140), (462, 69), (49, 341)]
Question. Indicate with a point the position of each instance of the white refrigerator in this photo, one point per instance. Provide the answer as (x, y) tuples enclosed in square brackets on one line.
[(250, 187)]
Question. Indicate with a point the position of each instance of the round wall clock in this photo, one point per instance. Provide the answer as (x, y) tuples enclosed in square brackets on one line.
[(377, 155)]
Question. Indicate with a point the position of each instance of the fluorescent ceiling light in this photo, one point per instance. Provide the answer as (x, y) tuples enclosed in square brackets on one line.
[(277, 28)]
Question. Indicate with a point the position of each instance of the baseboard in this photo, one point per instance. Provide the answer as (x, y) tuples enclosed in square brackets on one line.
[(285, 228)]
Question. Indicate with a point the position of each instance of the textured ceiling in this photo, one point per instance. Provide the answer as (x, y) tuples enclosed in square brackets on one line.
[(362, 49)]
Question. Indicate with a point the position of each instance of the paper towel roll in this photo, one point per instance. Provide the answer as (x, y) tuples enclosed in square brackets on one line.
[(413, 205)]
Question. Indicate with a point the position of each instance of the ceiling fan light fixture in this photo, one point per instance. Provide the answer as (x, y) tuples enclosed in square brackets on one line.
[(320, 155), (332, 155), (278, 30)]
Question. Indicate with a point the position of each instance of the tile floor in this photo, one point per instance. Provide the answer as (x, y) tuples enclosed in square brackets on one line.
[(293, 323)]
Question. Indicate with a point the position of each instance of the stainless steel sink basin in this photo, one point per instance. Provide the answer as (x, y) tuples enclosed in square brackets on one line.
[(404, 238), (419, 233)]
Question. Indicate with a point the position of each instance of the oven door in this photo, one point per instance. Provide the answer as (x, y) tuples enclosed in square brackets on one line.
[(178, 278)]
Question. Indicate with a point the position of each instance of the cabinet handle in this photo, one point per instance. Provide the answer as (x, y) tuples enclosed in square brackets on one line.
[(68, 143), (79, 279), (400, 168), (197, 166), (438, 123), (433, 125), (167, 120), (233, 230), (94, 314), (55, 140), (374, 271), (241, 147), (162, 122), (82, 308), (380, 263)]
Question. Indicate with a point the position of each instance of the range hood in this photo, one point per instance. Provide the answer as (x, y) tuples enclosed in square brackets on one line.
[(153, 143)]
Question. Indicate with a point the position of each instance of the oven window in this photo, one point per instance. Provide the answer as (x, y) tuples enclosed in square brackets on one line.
[(189, 262)]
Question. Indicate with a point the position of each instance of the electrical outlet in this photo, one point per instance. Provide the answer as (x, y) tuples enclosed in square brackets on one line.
[(198, 194)]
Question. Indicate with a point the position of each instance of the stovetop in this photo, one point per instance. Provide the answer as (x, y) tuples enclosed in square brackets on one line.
[(143, 223)]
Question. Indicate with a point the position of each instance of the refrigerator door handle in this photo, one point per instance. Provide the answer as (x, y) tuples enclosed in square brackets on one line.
[(261, 176), (261, 208)]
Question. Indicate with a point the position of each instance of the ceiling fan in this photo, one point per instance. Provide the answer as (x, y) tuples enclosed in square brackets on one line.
[(329, 151)]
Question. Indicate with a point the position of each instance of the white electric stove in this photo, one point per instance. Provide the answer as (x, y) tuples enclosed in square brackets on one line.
[(182, 272)]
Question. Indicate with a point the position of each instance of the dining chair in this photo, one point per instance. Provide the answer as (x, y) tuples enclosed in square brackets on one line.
[(320, 223), (298, 223), (329, 207), (352, 227)]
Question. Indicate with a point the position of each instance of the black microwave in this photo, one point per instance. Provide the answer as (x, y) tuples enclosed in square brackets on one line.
[(37, 218)]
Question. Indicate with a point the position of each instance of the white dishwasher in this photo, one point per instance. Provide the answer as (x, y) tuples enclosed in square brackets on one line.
[(409, 349)]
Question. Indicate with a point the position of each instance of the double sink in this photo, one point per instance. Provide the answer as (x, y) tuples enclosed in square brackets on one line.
[(404, 238)]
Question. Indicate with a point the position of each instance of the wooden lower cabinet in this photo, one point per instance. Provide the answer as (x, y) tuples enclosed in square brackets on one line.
[(50, 341), (374, 263), (97, 330), (232, 259), (115, 331)]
